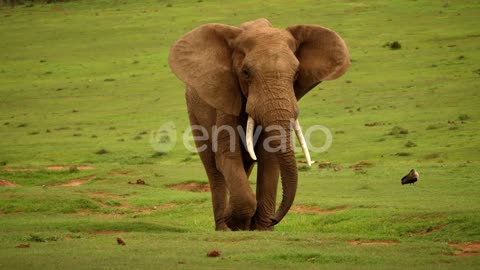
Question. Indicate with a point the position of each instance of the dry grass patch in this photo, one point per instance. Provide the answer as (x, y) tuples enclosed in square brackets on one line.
[(466, 249), (6, 183), (75, 182)]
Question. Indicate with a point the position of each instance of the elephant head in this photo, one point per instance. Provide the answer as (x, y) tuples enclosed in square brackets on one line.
[(261, 71)]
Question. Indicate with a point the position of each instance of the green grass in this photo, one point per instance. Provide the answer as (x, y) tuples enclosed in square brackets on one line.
[(87, 82)]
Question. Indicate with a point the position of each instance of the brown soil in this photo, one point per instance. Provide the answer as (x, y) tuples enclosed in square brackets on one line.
[(373, 243), (192, 186), (9, 169), (68, 167), (214, 253), (83, 212), (50, 168), (6, 183), (360, 165), (430, 230), (326, 164), (106, 232), (75, 182), (316, 210), (22, 246), (466, 249)]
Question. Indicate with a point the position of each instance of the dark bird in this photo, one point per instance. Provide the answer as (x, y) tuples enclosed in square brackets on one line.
[(120, 241), (411, 177)]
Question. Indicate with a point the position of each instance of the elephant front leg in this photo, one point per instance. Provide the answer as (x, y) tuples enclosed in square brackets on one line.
[(218, 189), (242, 202), (267, 182)]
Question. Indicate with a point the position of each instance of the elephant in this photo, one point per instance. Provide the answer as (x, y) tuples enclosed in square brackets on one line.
[(248, 77)]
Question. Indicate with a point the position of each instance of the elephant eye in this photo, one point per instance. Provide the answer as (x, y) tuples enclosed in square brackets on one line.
[(245, 73)]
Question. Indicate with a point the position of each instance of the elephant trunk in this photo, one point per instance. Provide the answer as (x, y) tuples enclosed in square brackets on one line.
[(281, 143), (276, 116)]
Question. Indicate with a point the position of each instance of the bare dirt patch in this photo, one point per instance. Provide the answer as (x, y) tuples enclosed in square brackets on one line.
[(83, 212), (325, 164), (69, 167), (10, 169), (466, 249), (315, 210), (75, 182), (361, 165), (328, 165), (373, 243), (192, 187), (6, 183), (430, 230)]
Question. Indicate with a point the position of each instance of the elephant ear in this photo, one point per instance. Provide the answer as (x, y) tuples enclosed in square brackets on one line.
[(322, 53), (202, 59)]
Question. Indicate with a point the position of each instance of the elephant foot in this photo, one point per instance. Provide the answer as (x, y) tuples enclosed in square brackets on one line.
[(221, 227), (257, 225), (239, 219), (239, 222)]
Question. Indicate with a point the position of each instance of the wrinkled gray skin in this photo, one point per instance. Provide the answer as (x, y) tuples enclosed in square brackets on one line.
[(259, 71)]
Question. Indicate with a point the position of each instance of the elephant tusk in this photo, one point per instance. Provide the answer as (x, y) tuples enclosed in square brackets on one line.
[(301, 139), (250, 127)]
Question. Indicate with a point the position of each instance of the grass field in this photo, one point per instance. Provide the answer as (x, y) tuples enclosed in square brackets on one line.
[(87, 82)]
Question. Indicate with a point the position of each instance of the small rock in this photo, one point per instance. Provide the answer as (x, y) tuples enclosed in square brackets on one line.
[(325, 164), (214, 253), (120, 241), (138, 182), (410, 178)]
